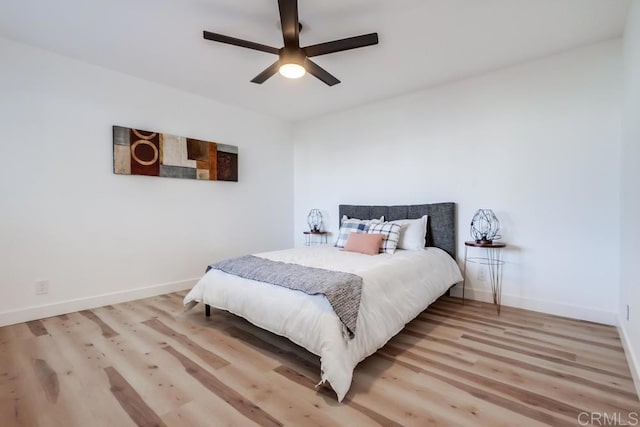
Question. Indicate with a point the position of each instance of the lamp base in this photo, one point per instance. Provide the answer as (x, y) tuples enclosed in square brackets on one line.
[(484, 241)]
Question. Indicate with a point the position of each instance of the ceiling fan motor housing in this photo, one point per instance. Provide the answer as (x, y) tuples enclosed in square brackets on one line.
[(292, 56)]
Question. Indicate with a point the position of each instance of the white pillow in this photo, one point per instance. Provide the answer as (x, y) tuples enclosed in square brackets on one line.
[(413, 234), (381, 219)]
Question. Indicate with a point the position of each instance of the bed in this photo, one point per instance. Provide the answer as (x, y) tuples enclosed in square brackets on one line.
[(395, 289)]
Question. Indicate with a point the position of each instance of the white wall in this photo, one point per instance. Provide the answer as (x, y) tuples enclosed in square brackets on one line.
[(100, 237), (538, 143), (630, 211)]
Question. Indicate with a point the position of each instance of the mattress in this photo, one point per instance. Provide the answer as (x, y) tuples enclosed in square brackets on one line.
[(396, 288)]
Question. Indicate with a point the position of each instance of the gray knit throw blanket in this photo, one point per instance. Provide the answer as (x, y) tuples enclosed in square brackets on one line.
[(343, 290)]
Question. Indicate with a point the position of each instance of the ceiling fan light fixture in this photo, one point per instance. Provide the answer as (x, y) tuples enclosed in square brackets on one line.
[(292, 70), (293, 61)]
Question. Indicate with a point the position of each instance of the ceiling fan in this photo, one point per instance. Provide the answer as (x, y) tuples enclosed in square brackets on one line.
[(294, 60)]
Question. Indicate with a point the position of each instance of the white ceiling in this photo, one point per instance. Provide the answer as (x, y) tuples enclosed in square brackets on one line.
[(422, 42)]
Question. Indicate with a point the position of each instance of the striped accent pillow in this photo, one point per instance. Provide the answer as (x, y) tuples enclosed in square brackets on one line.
[(391, 232), (353, 225)]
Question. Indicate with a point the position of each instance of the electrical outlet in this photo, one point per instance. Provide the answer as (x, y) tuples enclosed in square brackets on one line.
[(42, 287), (482, 274)]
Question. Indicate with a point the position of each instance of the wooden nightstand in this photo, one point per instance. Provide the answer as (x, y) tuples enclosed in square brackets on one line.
[(493, 260), (315, 238)]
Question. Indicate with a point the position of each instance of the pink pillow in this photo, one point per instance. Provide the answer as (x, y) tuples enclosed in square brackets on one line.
[(364, 243)]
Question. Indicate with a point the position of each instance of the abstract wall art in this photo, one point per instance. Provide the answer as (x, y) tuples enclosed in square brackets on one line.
[(141, 152)]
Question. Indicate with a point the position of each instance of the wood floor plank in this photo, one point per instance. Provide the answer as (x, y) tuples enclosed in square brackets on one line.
[(207, 337), (531, 412), (211, 358), (71, 387), (554, 359), (582, 348), (48, 379), (107, 331), (579, 348), (207, 411), (530, 320), (229, 395), (427, 401), (135, 353), (454, 365), (601, 382), (131, 401), (277, 348), (304, 381), (545, 343), (465, 409), (37, 328), (559, 389), (15, 408), (15, 332), (31, 396), (516, 393), (584, 338), (304, 406), (526, 317), (241, 353), (536, 347), (551, 346), (157, 311)]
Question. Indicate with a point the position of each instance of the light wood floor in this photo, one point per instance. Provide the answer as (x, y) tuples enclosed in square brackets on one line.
[(148, 363)]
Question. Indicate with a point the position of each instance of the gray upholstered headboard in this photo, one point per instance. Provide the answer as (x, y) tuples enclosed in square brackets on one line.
[(441, 230)]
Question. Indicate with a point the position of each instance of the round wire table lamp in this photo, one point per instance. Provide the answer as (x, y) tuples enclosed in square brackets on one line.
[(314, 219), (485, 226)]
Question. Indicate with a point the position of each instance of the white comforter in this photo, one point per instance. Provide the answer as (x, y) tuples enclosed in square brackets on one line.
[(396, 288)]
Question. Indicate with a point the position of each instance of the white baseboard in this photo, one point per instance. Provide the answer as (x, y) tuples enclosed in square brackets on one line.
[(632, 357), (26, 314), (551, 307)]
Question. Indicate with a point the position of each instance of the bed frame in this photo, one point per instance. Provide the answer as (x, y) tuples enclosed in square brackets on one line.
[(441, 226)]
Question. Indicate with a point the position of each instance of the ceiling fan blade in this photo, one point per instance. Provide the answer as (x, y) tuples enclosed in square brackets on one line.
[(340, 45), (239, 42), (320, 73), (268, 72), (289, 22)]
